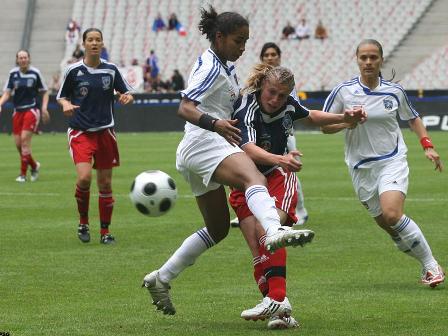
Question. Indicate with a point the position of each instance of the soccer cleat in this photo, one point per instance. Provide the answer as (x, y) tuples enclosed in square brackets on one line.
[(285, 236), (235, 222), (107, 239), (159, 292), (276, 322), (35, 172), (21, 179), (84, 233), (433, 277), (267, 308), (302, 216)]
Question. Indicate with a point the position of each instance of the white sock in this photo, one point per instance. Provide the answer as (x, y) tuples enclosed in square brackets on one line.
[(291, 143), (300, 200), (186, 254), (413, 238), (262, 205), (403, 247)]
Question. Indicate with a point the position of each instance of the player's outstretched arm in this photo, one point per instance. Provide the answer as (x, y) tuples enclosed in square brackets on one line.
[(420, 130)]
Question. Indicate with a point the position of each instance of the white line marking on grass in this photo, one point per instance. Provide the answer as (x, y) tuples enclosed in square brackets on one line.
[(341, 199)]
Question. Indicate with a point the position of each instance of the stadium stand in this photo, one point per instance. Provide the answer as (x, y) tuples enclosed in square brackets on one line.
[(128, 35), (431, 73)]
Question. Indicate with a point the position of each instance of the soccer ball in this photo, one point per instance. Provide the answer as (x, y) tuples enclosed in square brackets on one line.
[(153, 193)]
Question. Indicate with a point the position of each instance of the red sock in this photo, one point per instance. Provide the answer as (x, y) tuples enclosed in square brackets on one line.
[(82, 198), (23, 164), (106, 206), (259, 277), (31, 161), (275, 272)]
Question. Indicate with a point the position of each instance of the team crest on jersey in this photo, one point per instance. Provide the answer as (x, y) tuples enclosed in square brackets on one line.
[(83, 91), (388, 104), (265, 142), (106, 82), (287, 123), (29, 82)]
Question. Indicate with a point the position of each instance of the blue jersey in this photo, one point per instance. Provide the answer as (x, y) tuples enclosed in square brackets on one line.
[(268, 131), (92, 89), (26, 87)]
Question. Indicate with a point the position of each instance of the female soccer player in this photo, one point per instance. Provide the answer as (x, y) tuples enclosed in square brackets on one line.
[(26, 82), (375, 153), (265, 117), (209, 157), (271, 54), (87, 98)]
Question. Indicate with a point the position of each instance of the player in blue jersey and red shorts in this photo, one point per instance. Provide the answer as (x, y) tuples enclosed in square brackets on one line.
[(87, 98), (265, 115), (26, 83)]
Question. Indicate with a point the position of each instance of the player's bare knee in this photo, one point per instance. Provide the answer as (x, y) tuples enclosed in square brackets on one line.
[(392, 216)]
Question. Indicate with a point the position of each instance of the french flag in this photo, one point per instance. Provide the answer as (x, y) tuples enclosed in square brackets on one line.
[(181, 30)]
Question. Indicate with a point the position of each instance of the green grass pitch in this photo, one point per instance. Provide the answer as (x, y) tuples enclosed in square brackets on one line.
[(350, 281)]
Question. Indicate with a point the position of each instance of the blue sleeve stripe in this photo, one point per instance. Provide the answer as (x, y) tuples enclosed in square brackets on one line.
[(208, 81), (330, 100)]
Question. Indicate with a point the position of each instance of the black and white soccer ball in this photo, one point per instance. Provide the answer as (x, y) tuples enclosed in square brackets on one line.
[(153, 193)]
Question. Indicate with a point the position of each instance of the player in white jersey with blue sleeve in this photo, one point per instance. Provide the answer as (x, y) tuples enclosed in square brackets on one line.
[(208, 156), (375, 153)]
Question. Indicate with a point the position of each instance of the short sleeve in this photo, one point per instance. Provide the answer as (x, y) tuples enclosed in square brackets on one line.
[(334, 103), (245, 113), (9, 85), (66, 88), (120, 83), (406, 110), (203, 82)]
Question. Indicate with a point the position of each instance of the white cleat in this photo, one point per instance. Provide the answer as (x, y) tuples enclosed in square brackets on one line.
[(433, 277), (159, 292), (276, 322), (35, 172), (268, 308), (285, 236), (21, 179)]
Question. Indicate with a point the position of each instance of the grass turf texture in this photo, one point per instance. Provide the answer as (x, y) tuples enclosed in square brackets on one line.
[(350, 281)]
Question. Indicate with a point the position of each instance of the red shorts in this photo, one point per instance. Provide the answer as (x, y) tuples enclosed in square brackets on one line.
[(25, 121), (100, 146), (282, 185)]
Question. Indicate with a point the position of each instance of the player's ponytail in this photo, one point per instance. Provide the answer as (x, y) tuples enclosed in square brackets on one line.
[(211, 22)]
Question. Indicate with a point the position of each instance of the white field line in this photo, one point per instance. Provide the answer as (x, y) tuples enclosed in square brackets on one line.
[(341, 199)]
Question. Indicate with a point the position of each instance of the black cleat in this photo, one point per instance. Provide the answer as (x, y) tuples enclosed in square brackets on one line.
[(107, 239), (83, 233)]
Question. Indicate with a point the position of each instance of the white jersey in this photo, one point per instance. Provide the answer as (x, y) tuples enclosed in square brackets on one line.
[(380, 137), (214, 86)]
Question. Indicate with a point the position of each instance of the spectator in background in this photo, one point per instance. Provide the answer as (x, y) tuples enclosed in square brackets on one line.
[(288, 31), (55, 83), (78, 54), (320, 32), (71, 38), (172, 22), (158, 24), (177, 81), (153, 67), (303, 30), (104, 54)]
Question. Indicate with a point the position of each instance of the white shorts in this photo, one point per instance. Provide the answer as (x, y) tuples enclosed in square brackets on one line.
[(198, 157), (370, 183)]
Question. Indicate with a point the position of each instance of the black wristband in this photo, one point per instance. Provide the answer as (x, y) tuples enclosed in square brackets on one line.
[(207, 122)]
